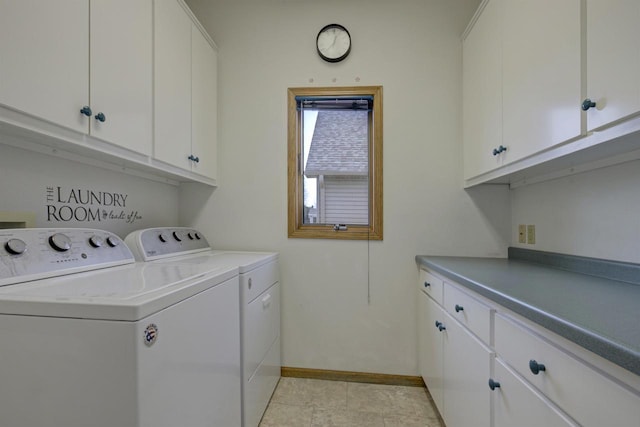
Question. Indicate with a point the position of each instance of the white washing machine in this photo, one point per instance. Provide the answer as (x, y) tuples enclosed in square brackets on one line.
[(259, 302), (91, 338)]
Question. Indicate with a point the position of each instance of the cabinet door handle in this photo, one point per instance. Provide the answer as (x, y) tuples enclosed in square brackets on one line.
[(458, 308), (100, 117), (587, 103), (536, 367), (500, 149), (493, 384), (427, 284), (194, 158), (86, 111)]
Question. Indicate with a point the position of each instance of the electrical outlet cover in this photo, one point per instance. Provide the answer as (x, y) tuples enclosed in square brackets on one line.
[(531, 234)]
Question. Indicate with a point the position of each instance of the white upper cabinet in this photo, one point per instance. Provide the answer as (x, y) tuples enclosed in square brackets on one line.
[(44, 59), (523, 102), (185, 92), (613, 60), (521, 81), (172, 76), (482, 91), (541, 75), (60, 58), (121, 72), (204, 108)]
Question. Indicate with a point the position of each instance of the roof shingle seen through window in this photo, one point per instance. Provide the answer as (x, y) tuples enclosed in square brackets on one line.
[(340, 144)]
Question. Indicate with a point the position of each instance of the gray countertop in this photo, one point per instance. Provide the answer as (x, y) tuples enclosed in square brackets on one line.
[(600, 314)]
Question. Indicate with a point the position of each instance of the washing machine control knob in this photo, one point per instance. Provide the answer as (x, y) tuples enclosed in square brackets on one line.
[(177, 236), (113, 241), (15, 246), (162, 237), (60, 242), (96, 241), (190, 235)]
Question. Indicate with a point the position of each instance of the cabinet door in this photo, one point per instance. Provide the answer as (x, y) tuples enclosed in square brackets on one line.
[(44, 59), (430, 354), (121, 72), (613, 60), (541, 75), (467, 368), (516, 403), (482, 92), (204, 111), (172, 83)]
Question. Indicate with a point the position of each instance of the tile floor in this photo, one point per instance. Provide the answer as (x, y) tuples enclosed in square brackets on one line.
[(301, 402)]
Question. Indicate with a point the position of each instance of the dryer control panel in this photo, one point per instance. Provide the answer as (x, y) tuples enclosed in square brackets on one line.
[(37, 253), (156, 243)]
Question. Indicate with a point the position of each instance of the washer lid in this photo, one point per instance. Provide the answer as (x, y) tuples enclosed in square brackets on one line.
[(129, 292)]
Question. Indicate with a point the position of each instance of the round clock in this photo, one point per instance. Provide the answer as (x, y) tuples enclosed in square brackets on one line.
[(333, 43)]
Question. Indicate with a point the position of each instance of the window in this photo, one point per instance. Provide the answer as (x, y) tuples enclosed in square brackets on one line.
[(335, 162)]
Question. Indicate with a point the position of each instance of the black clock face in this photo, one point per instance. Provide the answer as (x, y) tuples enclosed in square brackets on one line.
[(333, 43)]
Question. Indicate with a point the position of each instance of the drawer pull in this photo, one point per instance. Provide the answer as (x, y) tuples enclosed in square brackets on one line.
[(427, 284), (536, 367), (459, 308), (493, 384)]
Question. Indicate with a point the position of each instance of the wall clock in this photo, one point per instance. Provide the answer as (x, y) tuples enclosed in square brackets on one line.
[(333, 43)]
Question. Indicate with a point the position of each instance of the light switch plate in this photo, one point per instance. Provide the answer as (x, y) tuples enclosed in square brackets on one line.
[(522, 233)]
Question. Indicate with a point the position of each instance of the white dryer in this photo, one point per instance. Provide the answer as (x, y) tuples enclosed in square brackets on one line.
[(90, 338), (259, 302)]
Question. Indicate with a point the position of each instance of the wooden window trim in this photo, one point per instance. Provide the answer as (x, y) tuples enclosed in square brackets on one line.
[(296, 228)]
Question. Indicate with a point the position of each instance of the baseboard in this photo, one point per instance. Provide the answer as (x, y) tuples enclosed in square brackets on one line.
[(356, 377)]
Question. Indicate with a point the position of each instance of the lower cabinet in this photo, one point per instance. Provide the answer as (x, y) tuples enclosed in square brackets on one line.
[(431, 355), (485, 366), (455, 366), (467, 366)]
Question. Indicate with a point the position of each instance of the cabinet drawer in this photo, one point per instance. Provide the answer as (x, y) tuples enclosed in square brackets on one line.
[(516, 403), (591, 398), (469, 311), (431, 285)]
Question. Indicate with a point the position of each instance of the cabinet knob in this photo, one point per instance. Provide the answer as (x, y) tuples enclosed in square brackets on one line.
[(427, 284), (587, 103), (86, 111), (458, 308), (438, 324), (194, 158), (100, 117), (493, 384), (536, 367), (500, 149), (441, 327)]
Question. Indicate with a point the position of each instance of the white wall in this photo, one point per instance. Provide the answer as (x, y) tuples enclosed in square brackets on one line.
[(413, 49), (43, 185), (593, 214)]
